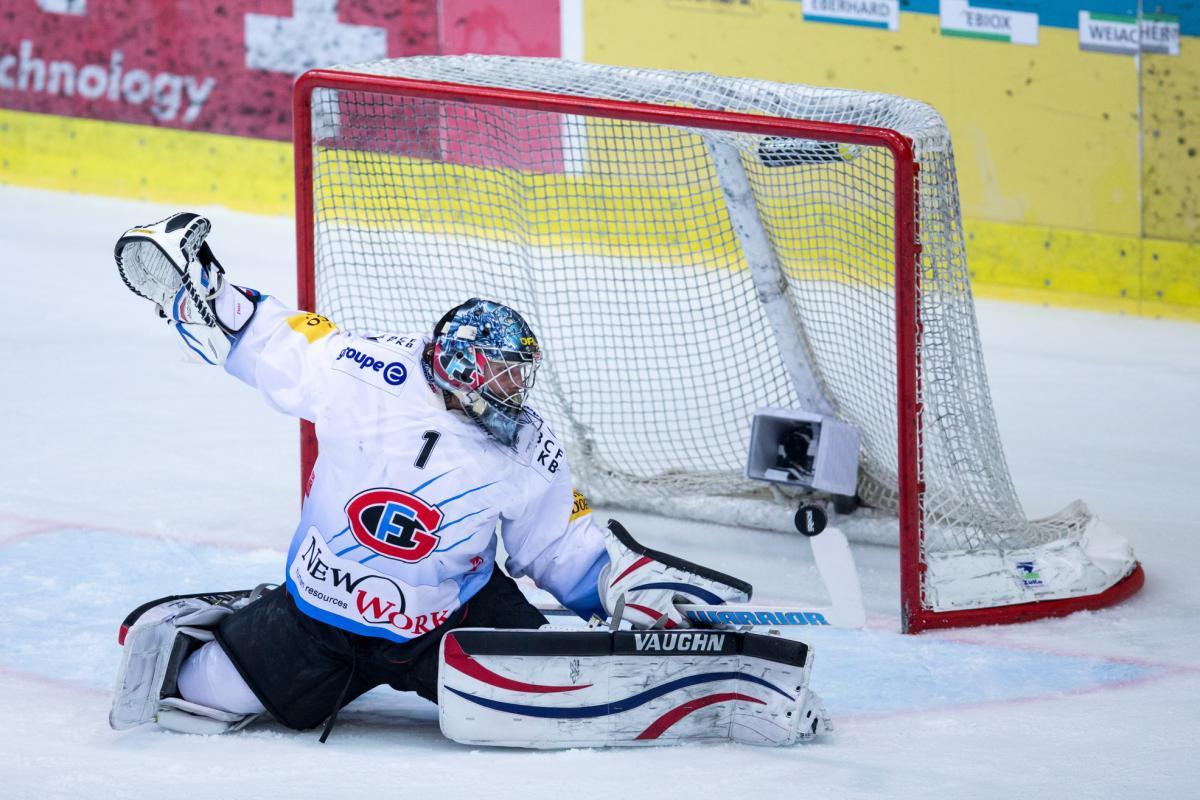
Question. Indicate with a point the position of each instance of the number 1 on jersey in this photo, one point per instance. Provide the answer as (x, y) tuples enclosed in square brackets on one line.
[(430, 438)]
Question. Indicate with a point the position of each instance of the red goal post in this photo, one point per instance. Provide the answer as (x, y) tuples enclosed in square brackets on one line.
[(916, 612)]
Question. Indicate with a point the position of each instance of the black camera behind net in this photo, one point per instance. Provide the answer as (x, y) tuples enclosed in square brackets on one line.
[(794, 450)]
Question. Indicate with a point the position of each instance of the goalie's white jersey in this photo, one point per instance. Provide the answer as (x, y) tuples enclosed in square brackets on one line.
[(398, 528)]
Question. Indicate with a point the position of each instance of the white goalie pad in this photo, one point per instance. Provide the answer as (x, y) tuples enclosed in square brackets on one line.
[(152, 654), (559, 689)]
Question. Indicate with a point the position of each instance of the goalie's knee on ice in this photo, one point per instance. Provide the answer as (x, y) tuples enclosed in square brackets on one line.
[(209, 678)]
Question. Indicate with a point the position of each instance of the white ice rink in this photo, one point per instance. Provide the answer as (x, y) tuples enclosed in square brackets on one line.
[(128, 474)]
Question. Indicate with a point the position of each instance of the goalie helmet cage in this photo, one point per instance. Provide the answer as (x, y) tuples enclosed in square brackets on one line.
[(689, 248)]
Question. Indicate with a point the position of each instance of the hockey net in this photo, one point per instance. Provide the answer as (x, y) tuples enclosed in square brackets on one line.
[(609, 206)]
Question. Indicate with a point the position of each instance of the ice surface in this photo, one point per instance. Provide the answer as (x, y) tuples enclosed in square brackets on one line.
[(127, 474)]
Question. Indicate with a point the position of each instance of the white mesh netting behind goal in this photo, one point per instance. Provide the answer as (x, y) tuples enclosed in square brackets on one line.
[(613, 237)]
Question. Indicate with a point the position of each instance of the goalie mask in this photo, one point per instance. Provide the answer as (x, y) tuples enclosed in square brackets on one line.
[(485, 355)]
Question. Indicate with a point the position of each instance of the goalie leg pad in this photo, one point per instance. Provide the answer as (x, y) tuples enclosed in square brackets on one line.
[(158, 638), (558, 689)]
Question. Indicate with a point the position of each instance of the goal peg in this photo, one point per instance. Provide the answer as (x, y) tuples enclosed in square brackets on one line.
[(811, 520)]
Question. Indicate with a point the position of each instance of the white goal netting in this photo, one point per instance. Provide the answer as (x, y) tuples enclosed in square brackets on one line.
[(614, 239)]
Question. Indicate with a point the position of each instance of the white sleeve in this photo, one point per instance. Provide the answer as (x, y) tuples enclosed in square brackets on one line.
[(553, 538), (284, 353)]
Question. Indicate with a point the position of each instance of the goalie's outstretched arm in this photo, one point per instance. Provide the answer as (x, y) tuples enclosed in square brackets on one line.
[(278, 350)]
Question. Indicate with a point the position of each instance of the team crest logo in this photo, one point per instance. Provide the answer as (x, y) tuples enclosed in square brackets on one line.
[(1028, 573), (394, 524)]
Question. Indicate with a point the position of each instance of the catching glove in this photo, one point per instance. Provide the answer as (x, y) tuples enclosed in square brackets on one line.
[(170, 264)]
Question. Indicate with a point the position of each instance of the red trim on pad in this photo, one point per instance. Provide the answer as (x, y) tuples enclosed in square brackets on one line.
[(458, 658), (641, 562), (660, 725)]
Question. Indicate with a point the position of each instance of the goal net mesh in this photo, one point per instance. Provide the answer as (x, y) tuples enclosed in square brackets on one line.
[(613, 239)]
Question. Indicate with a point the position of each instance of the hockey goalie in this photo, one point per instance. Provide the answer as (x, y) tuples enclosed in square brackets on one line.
[(427, 446)]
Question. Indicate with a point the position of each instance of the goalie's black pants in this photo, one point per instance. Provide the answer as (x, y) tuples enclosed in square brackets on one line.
[(303, 670)]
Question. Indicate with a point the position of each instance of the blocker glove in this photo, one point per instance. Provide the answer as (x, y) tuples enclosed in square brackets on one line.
[(652, 583)]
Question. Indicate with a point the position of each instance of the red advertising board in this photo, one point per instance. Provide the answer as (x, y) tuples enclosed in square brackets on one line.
[(227, 66)]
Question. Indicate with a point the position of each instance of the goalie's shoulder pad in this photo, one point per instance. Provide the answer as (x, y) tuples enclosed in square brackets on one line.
[(386, 363), (409, 344)]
